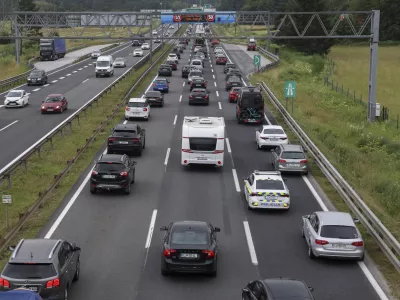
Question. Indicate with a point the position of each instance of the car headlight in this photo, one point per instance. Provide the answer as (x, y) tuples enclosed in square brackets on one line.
[(43, 107), (29, 78), (57, 107)]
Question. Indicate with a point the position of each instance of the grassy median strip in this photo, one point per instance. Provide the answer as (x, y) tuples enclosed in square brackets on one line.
[(41, 171)]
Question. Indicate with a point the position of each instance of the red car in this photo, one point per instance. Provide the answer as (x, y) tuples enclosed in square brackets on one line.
[(221, 60), (214, 43), (251, 46), (234, 94), (173, 64), (54, 103)]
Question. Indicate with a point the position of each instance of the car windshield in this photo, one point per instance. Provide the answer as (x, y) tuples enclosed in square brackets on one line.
[(227, 66), (35, 74), (236, 90), (189, 237), (14, 94), (109, 167), (124, 133), (199, 81), (119, 59), (153, 94), (139, 50), (137, 104), (53, 99), (102, 63), (269, 185), (29, 271), (160, 81), (339, 232), (273, 131), (96, 52), (293, 155), (145, 44), (193, 74), (196, 63)]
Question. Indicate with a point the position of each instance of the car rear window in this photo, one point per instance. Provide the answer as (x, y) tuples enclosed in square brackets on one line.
[(293, 155), (109, 167), (195, 91), (273, 131), (29, 271), (269, 185), (203, 144), (339, 232), (195, 74), (124, 133), (160, 81), (189, 237), (36, 74), (196, 63), (53, 99), (137, 104)]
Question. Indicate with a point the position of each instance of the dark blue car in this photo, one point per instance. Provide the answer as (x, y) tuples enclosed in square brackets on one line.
[(19, 294), (161, 84)]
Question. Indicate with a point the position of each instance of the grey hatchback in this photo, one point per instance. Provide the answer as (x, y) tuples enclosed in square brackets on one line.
[(47, 267), (289, 158)]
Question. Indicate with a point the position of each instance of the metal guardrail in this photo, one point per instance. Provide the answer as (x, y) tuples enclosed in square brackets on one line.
[(57, 179), (7, 171), (386, 241), (13, 80)]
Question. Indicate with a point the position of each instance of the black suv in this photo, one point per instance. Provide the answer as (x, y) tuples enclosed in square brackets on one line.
[(198, 83), (126, 138), (229, 66), (37, 77), (113, 172), (165, 70), (155, 98), (45, 266), (185, 71), (233, 81), (136, 43)]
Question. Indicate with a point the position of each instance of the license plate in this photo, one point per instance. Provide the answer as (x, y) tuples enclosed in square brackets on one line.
[(251, 121), (202, 158), (109, 176), (12, 103), (270, 204), (135, 113), (32, 288), (123, 142), (274, 140), (293, 165), (188, 255), (271, 198), (340, 246), (234, 83), (199, 97), (50, 109)]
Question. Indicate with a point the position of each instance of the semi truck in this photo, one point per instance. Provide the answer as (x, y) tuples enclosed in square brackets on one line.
[(52, 49)]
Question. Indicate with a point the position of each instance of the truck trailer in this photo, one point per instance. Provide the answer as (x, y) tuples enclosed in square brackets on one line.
[(52, 49)]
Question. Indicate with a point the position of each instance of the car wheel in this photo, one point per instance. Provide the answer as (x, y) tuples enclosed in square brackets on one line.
[(310, 253), (127, 191), (302, 232), (77, 271), (164, 273), (139, 153), (65, 296), (144, 144), (258, 146), (361, 258), (92, 190), (61, 110)]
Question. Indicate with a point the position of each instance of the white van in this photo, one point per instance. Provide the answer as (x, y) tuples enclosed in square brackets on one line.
[(203, 141), (104, 66)]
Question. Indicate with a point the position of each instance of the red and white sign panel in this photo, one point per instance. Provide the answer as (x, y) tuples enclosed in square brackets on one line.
[(193, 18)]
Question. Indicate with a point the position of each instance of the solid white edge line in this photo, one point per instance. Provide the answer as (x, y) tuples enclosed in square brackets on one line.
[(236, 180), (245, 84), (5, 127), (250, 244), (151, 228), (176, 118), (150, 85), (217, 93), (219, 105), (228, 145), (266, 119), (180, 98), (167, 156), (215, 84)]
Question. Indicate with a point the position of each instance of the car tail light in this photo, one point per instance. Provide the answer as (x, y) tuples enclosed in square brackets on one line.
[(286, 196), (145, 109), (4, 283), (53, 283), (206, 96), (112, 139), (169, 252), (187, 151), (218, 151), (219, 162), (263, 138), (283, 138), (135, 140), (304, 161), (127, 109), (357, 244), (190, 96), (282, 161), (321, 242), (253, 194), (94, 172), (190, 83), (123, 173), (210, 254)]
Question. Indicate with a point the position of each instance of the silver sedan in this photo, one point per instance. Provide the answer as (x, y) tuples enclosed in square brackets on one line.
[(332, 234)]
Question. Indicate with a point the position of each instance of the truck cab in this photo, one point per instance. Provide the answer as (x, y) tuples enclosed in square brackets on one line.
[(52, 49)]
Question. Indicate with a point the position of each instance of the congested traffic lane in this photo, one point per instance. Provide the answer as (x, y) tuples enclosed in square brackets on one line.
[(113, 229), (279, 246), (78, 88)]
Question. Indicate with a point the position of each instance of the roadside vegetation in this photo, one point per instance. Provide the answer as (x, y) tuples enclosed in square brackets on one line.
[(27, 185)]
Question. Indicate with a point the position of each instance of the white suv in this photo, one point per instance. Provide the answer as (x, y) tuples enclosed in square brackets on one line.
[(137, 108), (173, 56)]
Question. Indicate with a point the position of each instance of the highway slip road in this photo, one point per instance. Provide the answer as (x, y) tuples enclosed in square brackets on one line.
[(120, 236), (22, 127)]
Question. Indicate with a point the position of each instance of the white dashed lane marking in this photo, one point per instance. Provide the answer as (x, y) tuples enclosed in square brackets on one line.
[(68, 74), (217, 93), (47, 84), (54, 81), (61, 78), (35, 90), (75, 72)]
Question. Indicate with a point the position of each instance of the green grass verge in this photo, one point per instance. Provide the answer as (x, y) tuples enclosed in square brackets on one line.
[(26, 186), (352, 70)]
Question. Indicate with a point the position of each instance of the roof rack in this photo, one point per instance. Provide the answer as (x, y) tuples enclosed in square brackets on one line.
[(17, 249), (257, 172), (54, 249)]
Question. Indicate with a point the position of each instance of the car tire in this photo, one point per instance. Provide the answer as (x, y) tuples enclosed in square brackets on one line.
[(61, 110), (162, 104), (164, 273), (65, 296), (311, 253), (258, 146), (92, 190), (361, 258), (144, 144), (248, 206), (139, 153), (302, 232), (77, 271), (127, 191)]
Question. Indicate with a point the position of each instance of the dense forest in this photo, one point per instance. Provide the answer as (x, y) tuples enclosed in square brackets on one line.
[(389, 22)]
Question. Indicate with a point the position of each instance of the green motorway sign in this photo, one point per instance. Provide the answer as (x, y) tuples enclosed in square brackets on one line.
[(257, 60), (290, 89)]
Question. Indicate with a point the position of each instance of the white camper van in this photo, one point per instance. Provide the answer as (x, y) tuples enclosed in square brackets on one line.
[(104, 66), (203, 141)]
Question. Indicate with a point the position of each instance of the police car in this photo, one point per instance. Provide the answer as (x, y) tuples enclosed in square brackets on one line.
[(266, 190)]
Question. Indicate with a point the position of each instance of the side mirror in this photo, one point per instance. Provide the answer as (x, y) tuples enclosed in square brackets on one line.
[(163, 228), (311, 288), (42, 101), (217, 229), (11, 248), (76, 248), (306, 216), (245, 290), (356, 220), (272, 150)]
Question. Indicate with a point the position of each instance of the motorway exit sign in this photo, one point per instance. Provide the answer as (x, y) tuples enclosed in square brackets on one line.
[(290, 89), (257, 60)]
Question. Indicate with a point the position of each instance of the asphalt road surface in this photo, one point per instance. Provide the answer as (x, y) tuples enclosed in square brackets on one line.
[(121, 253), (22, 127)]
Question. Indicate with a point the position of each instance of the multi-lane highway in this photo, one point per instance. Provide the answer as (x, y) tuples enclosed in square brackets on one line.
[(121, 251), (22, 127)]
